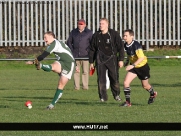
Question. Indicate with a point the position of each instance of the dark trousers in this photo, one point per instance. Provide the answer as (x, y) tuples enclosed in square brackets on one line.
[(113, 73)]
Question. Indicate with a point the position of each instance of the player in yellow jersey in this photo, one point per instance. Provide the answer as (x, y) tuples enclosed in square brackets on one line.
[(137, 66)]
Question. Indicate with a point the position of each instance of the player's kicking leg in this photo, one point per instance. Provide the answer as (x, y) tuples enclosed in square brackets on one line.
[(39, 66)]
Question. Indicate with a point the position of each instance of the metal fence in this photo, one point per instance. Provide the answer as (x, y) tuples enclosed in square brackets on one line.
[(155, 22)]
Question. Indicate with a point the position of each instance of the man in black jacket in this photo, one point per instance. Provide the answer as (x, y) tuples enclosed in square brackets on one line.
[(79, 42), (107, 51)]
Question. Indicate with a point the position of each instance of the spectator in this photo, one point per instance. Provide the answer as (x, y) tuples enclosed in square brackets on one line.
[(79, 42), (106, 45)]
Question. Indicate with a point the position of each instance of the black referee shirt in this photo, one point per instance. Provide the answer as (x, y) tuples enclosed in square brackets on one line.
[(105, 44)]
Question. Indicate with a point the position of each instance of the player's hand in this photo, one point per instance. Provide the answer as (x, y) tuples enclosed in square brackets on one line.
[(121, 64), (129, 67), (29, 62), (91, 66), (92, 69), (77, 69)]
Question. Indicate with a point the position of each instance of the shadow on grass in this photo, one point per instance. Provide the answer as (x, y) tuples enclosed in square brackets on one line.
[(14, 98), (3, 89), (137, 104), (155, 84), (167, 85), (62, 100), (27, 89), (105, 104), (4, 106)]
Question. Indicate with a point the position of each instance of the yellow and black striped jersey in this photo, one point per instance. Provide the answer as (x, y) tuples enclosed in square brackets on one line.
[(134, 51)]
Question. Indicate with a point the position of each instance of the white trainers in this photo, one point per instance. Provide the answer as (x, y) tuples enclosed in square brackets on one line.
[(117, 98), (50, 107)]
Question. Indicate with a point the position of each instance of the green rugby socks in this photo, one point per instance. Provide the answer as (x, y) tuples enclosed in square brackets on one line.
[(47, 68), (57, 96)]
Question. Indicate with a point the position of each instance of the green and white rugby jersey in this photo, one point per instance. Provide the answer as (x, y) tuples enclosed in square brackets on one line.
[(61, 51)]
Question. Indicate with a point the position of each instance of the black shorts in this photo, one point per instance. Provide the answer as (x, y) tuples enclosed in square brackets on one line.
[(143, 72)]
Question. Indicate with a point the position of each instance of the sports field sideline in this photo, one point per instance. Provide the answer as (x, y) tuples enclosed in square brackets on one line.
[(20, 83)]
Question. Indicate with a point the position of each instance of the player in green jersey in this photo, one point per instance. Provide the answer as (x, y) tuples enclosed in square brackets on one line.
[(64, 65)]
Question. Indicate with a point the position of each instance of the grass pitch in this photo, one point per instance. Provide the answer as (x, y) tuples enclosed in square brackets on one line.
[(20, 83)]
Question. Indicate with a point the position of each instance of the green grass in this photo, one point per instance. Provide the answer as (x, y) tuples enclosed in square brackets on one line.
[(164, 52), (20, 83)]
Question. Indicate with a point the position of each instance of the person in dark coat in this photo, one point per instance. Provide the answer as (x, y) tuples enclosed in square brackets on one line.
[(107, 51), (79, 42)]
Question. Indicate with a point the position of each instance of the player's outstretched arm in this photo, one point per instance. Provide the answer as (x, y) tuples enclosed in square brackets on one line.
[(33, 62), (29, 62)]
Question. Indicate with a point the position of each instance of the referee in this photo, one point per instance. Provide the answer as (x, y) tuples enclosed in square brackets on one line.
[(107, 51)]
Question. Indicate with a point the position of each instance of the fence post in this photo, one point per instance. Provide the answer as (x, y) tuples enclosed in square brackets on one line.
[(147, 27), (1, 24), (22, 22)]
